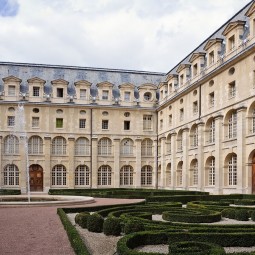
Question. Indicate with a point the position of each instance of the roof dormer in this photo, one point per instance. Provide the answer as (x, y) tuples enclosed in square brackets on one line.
[(213, 47), (83, 89), (172, 82), (184, 73), (163, 90), (251, 14), (59, 88), (197, 61), (105, 91)]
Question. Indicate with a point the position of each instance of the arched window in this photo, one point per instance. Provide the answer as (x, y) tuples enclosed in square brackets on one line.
[(58, 176), (232, 125), (194, 171), (11, 175), (104, 175), (81, 147), (59, 146), (11, 145), (147, 146), (146, 176), (232, 170), (35, 145), (126, 176), (211, 174), (105, 146), (179, 174), (211, 131), (127, 147), (194, 136), (82, 175)]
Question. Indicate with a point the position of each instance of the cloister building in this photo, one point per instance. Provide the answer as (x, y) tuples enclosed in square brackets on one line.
[(192, 128)]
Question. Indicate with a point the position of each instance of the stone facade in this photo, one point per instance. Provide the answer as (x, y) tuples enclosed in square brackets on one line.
[(192, 128)]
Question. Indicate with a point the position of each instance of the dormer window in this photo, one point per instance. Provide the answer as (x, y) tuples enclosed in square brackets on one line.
[(105, 94), (147, 96), (83, 93), (60, 92), (195, 70), (127, 96), (231, 42), (11, 90), (181, 79), (211, 57), (36, 91)]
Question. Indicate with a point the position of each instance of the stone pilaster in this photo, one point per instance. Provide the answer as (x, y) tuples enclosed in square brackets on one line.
[(23, 164), (71, 142), (185, 167), (116, 167), (138, 163), (1, 164), (155, 165), (163, 162), (94, 165), (200, 156), (47, 164), (173, 160)]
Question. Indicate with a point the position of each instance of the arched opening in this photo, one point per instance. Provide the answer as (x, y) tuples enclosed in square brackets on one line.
[(253, 174), (36, 177)]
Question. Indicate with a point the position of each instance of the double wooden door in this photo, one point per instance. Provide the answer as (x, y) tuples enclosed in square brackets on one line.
[(36, 178)]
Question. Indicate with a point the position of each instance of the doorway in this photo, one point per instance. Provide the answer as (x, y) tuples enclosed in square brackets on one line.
[(253, 174), (36, 178)]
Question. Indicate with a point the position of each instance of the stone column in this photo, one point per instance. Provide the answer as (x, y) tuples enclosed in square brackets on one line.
[(200, 156), (1, 160), (47, 164), (173, 160), (185, 169), (94, 165), (155, 166), (219, 165), (23, 165), (163, 162), (116, 170), (138, 163), (71, 142), (241, 155)]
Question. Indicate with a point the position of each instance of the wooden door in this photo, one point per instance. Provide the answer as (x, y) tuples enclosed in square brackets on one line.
[(36, 178), (253, 175)]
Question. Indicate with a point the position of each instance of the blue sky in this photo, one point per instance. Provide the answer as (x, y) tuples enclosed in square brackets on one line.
[(152, 35)]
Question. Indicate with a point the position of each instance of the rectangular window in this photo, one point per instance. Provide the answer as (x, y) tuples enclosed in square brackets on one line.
[(161, 124), (36, 91), (59, 123), (161, 94), (82, 123), (105, 124), (195, 107), (126, 125), (195, 70), (170, 120), (105, 94), (181, 80), (127, 96), (232, 89), (35, 121), (181, 114), (211, 58), (11, 121), (147, 122), (11, 90), (211, 99), (231, 43), (82, 93), (60, 92)]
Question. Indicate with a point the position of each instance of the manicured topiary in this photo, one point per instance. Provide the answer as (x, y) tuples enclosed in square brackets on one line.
[(244, 202), (253, 215), (81, 219), (112, 226), (242, 215), (95, 223), (132, 226), (229, 213)]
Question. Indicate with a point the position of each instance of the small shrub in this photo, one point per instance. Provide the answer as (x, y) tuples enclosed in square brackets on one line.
[(242, 215), (95, 223), (229, 213), (244, 202), (81, 219), (253, 215), (132, 226), (112, 226)]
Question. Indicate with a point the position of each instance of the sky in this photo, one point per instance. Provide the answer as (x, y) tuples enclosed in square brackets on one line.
[(146, 35)]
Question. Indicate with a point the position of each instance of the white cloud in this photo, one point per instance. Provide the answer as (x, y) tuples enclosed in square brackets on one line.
[(136, 34)]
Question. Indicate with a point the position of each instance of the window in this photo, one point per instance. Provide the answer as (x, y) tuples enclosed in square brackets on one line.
[(253, 121), (104, 175), (195, 70), (181, 114), (59, 123), (35, 145), (147, 122), (180, 141), (82, 123), (127, 96), (35, 121), (232, 170), (161, 124), (11, 90), (146, 175), (231, 41), (58, 176), (232, 89), (147, 96), (181, 80), (127, 147), (36, 91), (169, 145), (126, 125), (81, 147), (211, 99), (11, 121), (126, 176), (195, 137), (83, 93), (179, 174), (59, 146), (147, 146), (212, 131), (105, 147), (82, 176), (232, 125), (11, 145), (105, 94), (60, 92), (195, 107), (170, 120), (194, 173), (11, 175), (211, 57), (211, 176), (105, 124), (159, 148)]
